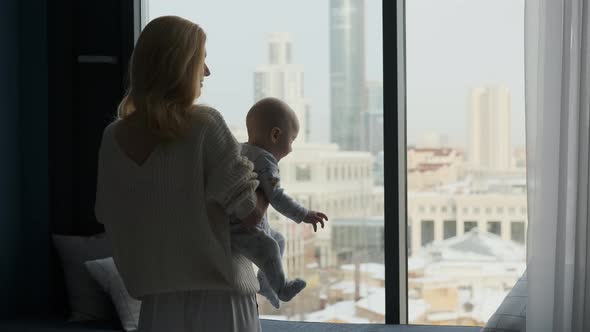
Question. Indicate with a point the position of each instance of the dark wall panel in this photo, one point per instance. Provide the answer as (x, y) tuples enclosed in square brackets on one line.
[(53, 109), (9, 153), (82, 35), (34, 277)]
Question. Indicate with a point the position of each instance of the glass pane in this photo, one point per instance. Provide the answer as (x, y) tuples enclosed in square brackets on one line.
[(469, 225), (466, 157), (495, 227), (450, 229), (427, 232), (517, 232), (323, 58)]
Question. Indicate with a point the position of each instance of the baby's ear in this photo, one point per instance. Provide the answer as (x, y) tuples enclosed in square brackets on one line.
[(275, 133)]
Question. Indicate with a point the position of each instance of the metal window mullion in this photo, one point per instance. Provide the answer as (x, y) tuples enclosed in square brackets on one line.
[(394, 162)]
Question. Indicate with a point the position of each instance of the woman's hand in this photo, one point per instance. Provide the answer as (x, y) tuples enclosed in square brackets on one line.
[(255, 217)]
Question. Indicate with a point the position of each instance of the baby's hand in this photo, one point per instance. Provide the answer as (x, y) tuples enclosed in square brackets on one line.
[(314, 217)]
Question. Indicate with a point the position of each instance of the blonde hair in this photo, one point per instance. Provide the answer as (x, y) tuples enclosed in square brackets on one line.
[(164, 75)]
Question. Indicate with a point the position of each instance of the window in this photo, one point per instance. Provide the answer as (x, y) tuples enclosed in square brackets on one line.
[(409, 235), (517, 231), (272, 54), (495, 227), (449, 229), (427, 232), (302, 173), (443, 209), (460, 150), (469, 225), (465, 110)]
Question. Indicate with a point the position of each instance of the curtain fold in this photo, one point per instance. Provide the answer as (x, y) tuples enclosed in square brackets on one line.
[(558, 143)]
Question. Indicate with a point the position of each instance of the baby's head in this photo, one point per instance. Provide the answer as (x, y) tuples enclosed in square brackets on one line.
[(273, 126)]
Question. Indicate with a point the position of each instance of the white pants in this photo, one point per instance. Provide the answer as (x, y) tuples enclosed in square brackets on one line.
[(199, 311)]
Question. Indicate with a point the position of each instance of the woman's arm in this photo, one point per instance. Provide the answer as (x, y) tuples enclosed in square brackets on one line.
[(229, 177), (255, 217)]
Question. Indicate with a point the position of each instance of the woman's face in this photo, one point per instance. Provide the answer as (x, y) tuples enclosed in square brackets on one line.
[(203, 72)]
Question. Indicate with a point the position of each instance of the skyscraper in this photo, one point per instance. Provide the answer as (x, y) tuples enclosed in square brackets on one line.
[(372, 124), (489, 128), (347, 72), (284, 80)]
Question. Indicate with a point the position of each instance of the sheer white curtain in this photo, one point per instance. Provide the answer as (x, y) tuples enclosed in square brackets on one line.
[(557, 111)]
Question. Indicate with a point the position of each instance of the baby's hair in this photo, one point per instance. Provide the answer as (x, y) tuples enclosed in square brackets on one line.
[(268, 113)]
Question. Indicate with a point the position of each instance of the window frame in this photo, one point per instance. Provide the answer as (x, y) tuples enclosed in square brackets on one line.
[(394, 160)]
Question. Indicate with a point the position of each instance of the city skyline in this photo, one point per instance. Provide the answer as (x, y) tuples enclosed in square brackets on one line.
[(493, 54), (453, 206)]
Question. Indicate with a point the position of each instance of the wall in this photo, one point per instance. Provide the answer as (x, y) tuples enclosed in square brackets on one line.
[(24, 209), (53, 109), (9, 151), (35, 248)]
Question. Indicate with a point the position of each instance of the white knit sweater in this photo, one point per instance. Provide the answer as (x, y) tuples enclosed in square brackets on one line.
[(168, 218)]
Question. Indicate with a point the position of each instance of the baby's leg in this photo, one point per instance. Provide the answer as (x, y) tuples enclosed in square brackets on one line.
[(265, 252), (292, 287), (265, 288), (280, 240)]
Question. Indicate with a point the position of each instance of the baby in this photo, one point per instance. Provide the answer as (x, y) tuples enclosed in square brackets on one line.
[(272, 128)]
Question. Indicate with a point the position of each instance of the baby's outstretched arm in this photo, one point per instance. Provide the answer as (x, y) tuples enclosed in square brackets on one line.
[(313, 218), (268, 175)]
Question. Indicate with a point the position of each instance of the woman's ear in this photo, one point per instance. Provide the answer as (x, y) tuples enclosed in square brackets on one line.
[(275, 133)]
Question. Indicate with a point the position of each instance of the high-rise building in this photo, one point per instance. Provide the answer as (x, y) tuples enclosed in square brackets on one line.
[(434, 140), (489, 128), (373, 118), (347, 72), (282, 79)]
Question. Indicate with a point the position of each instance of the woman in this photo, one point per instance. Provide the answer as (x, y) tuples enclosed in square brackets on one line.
[(169, 175)]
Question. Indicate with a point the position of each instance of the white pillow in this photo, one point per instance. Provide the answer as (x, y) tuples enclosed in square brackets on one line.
[(105, 272), (511, 315), (86, 298)]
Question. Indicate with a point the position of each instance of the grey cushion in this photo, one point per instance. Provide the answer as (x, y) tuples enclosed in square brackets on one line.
[(105, 272), (86, 298), (511, 315), (267, 326), (35, 325), (281, 326)]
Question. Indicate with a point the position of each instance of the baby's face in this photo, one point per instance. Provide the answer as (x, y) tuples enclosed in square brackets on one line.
[(286, 142), (282, 141)]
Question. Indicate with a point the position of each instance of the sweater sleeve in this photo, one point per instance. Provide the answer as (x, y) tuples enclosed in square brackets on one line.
[(270, 182), (229, 177)]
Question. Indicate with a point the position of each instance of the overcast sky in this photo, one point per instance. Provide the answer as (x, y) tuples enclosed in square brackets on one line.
[(452, 46)]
